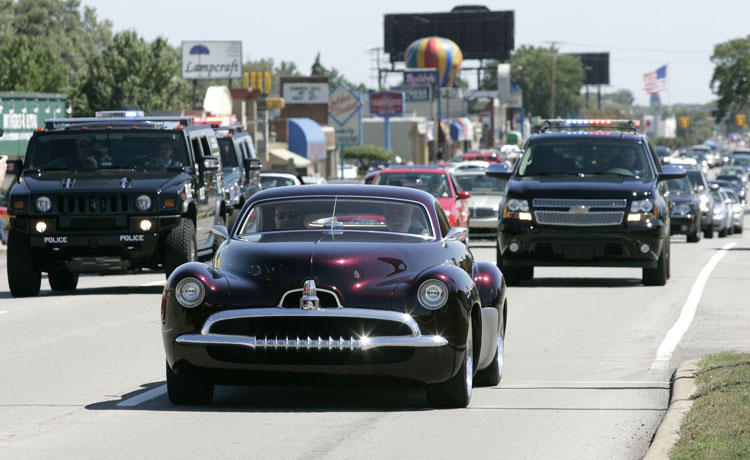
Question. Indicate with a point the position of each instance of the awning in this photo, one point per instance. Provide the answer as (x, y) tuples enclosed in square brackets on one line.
[(461, 129), (281, 156), (306, 138)]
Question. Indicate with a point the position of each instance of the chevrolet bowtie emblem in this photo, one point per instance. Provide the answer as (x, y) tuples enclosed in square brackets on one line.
[(309, 300), (580, 209)]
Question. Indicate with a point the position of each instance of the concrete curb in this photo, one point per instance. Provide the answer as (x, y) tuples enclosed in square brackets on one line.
[(683, 388)]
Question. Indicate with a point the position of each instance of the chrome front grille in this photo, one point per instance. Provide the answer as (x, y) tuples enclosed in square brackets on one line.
[(573, 202), (579, 219), (300, 330), (483, 212)]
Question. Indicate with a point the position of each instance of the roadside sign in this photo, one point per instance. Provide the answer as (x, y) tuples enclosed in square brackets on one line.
[(416, 93), (423, 77), (211, 59), (345, 114), (387, 103)]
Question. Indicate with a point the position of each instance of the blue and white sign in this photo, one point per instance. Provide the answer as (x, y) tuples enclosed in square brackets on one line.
[(426, 77), (416, 93), (345, 114)]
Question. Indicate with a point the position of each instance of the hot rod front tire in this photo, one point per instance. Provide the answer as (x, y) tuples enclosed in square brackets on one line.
[(179, 246), (456, 391), (186, 392)]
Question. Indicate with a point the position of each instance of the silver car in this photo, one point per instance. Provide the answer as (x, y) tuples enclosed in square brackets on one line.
[(486, 195), (737, 209), (723, 212)]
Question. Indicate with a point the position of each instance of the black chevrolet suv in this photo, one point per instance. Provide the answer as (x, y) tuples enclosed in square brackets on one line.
[(111, 195), (585, 193), (241, 167)]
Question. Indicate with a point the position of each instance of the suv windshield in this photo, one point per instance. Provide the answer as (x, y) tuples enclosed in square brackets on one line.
[(228, 155), (85, 151), (586, 157)]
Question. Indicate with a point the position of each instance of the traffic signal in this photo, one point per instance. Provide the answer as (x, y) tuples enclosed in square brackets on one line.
[(684, 122), (740, 119)]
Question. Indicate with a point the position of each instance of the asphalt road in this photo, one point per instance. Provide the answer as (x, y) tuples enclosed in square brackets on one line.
[(587, 367)]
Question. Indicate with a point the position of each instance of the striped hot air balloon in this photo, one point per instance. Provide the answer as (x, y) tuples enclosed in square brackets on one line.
[(435, 52)]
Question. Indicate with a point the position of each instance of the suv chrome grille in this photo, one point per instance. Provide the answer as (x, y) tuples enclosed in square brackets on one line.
[(573, 202), (582, 219)]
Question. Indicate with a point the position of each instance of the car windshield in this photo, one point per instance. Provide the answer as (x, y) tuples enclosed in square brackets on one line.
[(339, 214), (697, 179), (435, 183), (680, 187), (741, 161), (275, 181), (86, 151), (626, 159), (480, 184), (698, 156), (228, 155), (730, 178)]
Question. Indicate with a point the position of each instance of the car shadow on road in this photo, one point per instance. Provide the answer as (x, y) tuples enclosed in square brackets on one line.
[(108, 290), (288, 399), (582, 282)]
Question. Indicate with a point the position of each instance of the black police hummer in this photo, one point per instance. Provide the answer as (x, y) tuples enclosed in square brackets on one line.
[(586, 193), (241, 167), (111, 195)]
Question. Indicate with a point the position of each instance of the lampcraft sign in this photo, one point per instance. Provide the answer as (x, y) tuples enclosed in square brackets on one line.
[(202, 60)]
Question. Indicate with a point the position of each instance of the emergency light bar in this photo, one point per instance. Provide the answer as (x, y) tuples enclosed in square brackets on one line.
[(598, 123), (120, 113)]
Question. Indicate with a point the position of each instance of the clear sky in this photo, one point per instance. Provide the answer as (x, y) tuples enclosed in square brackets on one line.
[(639, 35)]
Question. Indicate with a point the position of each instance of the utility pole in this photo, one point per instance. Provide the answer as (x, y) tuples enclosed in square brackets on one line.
[(554, 56)]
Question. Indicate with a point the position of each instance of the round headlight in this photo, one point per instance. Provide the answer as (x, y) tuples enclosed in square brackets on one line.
[(515, 205), (43, 204), (641, 206), (190, 292), (433, 294), (682, 208), (143, 202)]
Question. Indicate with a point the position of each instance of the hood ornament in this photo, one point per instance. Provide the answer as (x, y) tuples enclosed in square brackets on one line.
[(309, 300), (580, 209)]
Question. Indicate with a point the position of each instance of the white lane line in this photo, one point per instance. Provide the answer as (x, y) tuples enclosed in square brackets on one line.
[(673, 337), (155, 283), (143, 397)]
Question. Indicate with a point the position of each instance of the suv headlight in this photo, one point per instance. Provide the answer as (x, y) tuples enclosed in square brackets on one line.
[(190, 292), (43, 204), (517, 209), (143, 202), (682, 209), (433, 294), (515, 205), (642, 210)]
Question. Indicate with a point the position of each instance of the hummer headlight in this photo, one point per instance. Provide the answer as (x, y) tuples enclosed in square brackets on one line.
[(43, 204), (190, 292), (143, 202)]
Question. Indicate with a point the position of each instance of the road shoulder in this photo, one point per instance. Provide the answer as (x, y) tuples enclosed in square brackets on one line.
[(683, 388)]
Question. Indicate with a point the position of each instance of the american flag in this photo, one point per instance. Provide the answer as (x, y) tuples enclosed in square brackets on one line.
[(654, 82)]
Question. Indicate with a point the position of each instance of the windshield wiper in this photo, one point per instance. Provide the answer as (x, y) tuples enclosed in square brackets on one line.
[(552, 173), (618, 174)]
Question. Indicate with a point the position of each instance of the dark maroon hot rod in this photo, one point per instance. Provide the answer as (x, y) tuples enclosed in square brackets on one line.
[(336, 283)]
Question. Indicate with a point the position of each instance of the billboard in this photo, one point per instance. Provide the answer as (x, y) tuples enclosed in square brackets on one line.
[(479, 32), (596, 66), (387, 103), (203, 60), (345, 114)]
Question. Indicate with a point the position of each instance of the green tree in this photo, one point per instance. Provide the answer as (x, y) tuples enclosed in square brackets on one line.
[(731, 78), (534, 69), (19, 54), (133, 74), (366, 154)]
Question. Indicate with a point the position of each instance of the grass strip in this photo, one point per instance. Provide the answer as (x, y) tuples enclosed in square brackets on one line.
[(717, 426)]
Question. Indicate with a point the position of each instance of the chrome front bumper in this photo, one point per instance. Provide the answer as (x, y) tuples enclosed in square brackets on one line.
[(415, 340)]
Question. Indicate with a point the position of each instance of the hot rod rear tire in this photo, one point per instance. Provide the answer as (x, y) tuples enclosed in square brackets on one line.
[(186, 392)]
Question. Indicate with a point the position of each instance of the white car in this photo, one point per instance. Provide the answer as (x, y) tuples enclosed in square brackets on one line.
[(487, 193), (278, 179)]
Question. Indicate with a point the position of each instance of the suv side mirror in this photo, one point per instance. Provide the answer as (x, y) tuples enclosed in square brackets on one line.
[(15, 166), (252, 164), (211, 163), (672, 172), (498, 170)]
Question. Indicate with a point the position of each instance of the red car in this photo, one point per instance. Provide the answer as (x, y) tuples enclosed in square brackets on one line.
[(491, 157), (438, 182)]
